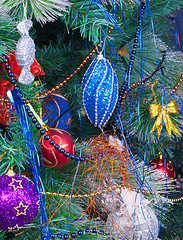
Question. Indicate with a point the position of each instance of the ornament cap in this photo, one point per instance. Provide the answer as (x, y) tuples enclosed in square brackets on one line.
[(10, 173), (100, 56)]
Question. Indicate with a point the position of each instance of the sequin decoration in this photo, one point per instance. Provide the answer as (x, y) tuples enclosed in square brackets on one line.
[(55, 105), (100, 91), (25, 52), (19, 203)]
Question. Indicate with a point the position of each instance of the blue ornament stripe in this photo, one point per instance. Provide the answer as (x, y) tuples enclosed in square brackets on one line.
[(110, 99), (97, 95), (92, 65)]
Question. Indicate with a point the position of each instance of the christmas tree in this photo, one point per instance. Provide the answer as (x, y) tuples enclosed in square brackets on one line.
[(91, 119)]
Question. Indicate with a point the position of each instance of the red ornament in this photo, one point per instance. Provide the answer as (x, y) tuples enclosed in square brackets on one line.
[(52, 157), (36, 69), (5, 106), (158, 164)]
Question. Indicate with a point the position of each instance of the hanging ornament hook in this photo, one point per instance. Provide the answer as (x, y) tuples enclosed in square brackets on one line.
[(25, 10), (102, 41)]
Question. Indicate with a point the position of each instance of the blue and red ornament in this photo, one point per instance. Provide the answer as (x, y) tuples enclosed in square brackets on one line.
[(19, 202), (55, 105), (100, 91), (54, 145)]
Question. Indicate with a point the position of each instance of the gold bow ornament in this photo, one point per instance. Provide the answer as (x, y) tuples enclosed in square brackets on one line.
[(156, 110)]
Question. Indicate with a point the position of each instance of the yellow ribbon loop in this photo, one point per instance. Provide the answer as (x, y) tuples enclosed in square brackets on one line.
[(156, 110)]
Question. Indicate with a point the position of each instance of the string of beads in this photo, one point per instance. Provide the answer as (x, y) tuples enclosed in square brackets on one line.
[(110, 189), (123, 89), (79, 234)]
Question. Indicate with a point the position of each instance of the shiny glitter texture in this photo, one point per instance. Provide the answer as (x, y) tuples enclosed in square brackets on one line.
[(25, 52), (53, 158), (165, 168), (19, 203), (100, 91), (55, 105)]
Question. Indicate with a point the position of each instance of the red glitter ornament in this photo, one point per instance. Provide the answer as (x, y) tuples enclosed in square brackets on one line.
[(5, 106), (158, 164), (52, 157)]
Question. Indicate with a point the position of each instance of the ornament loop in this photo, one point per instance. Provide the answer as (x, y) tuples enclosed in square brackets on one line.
[(102, 41)]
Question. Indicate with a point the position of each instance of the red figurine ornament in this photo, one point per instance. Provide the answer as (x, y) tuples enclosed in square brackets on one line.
[(5, 105), (159, 165)]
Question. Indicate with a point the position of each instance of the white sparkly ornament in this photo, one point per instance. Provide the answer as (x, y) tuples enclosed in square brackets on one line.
[(25, 52), (130, 217), (116, 143)]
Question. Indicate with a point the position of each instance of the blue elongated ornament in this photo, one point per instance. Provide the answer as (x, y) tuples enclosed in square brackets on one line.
[(100, 91)]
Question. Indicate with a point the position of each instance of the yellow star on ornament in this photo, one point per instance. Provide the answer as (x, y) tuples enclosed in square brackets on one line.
[(18, 209), (14, 185), (38, 204), (15, 228)]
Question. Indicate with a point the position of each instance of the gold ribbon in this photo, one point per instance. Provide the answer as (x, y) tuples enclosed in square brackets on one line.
[(156, 110), (43, 125)]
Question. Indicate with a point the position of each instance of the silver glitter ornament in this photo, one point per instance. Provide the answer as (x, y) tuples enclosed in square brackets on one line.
[(25, 52)]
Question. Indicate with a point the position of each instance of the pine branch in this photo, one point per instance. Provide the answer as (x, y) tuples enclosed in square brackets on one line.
[(7, 31), (42, 10), (159, 67)]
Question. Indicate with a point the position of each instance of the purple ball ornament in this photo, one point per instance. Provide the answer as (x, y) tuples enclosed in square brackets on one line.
[(19, 202)]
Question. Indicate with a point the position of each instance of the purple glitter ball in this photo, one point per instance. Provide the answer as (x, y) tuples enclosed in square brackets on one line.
[(19, 203)]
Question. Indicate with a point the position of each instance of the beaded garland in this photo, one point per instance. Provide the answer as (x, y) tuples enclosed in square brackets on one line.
[(78, 234), (124, 88), (110, 189)]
